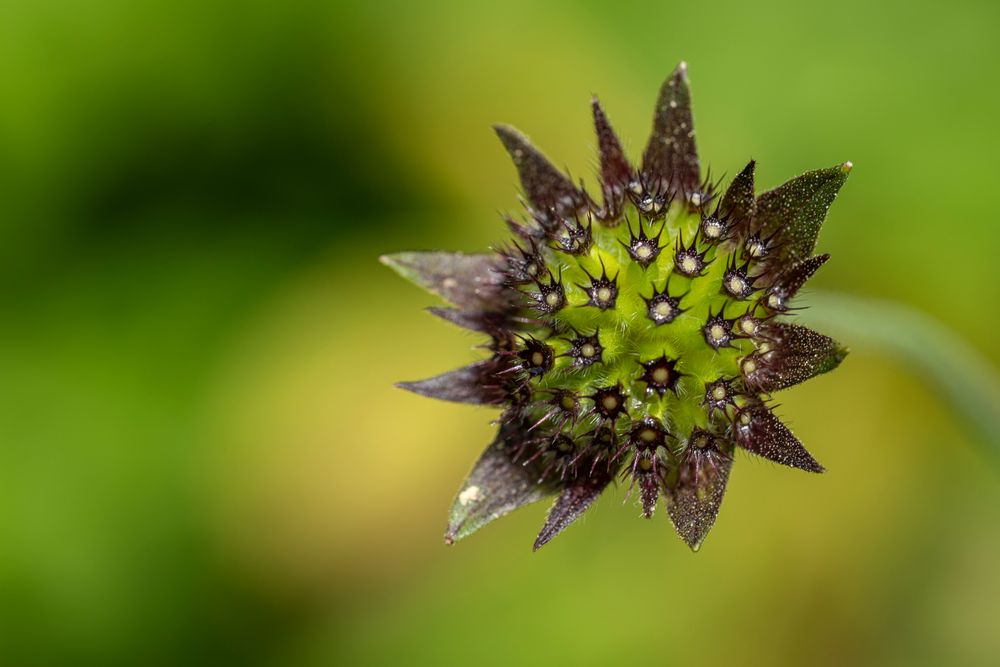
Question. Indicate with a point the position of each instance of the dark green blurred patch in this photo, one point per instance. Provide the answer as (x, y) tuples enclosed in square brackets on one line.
[(104, 370), (244, 115)]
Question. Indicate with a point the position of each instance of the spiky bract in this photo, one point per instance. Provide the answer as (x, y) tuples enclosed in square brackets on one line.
[(637, 338)]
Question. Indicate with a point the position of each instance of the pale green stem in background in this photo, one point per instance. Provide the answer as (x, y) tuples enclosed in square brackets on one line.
[(950, 364)]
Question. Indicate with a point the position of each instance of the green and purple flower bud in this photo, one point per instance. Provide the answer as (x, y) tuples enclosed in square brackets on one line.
[(636, 339)]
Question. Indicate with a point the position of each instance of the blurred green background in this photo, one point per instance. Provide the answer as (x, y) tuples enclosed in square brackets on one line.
[(202, 458)]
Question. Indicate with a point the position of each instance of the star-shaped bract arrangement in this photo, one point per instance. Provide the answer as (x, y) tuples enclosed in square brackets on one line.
[(638, 338)]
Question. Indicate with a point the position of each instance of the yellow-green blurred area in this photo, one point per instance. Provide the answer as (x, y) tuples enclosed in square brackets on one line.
[(203, 459)]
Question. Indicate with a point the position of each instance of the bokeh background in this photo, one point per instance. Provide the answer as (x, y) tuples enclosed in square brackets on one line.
[(202, 458)]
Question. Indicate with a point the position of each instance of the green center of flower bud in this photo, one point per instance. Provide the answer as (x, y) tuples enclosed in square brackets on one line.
[(654, 324)]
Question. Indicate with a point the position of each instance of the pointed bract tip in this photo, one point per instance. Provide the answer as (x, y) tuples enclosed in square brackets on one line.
[(473, 384), (550, 530), (449, 540), (680, 74), (847, 166), (815, 467), (415, 387), (506, 132), (510, 136), (572, 503), (812, 465), (597, 110)]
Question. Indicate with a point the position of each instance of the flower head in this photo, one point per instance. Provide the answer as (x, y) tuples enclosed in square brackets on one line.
[(637, 338)]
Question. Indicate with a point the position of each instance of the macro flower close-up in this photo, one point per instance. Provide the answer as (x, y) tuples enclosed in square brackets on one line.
[(637, 335), (529, 332)]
